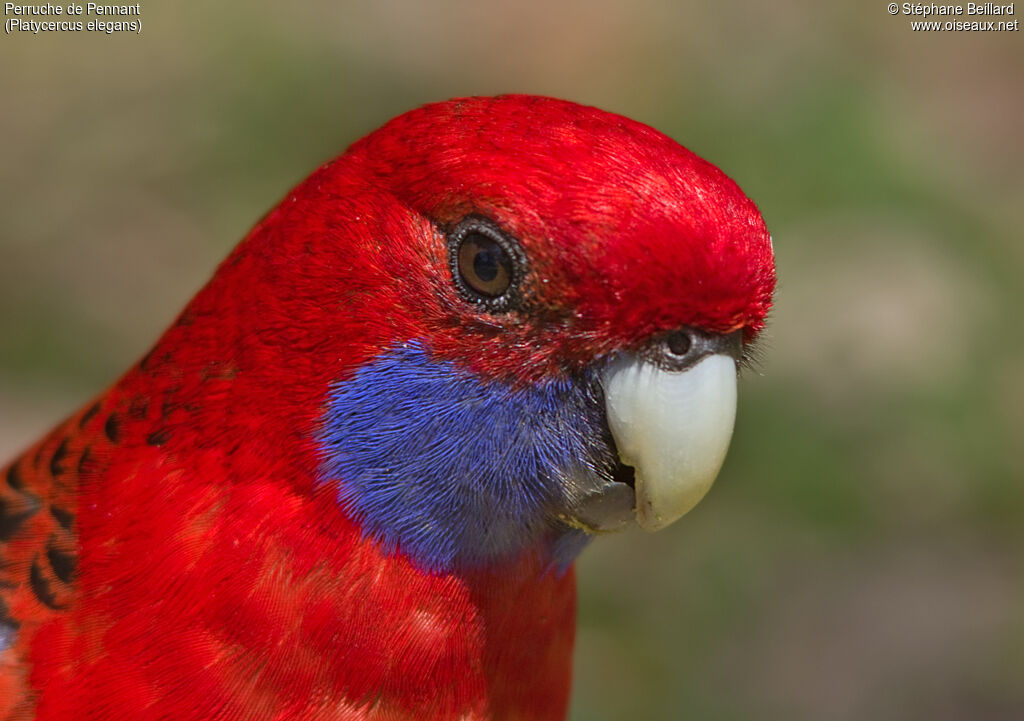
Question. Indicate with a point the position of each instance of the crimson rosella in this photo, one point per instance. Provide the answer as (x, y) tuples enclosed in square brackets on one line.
[(351, 479)]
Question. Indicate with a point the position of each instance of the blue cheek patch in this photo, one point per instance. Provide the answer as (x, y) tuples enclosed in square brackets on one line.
[(7, 633), (455, 471)]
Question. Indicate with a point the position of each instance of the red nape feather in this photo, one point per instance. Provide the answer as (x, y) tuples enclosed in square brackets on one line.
[(217, 577)]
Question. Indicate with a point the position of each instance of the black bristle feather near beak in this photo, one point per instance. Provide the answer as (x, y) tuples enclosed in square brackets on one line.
[(624, 474)]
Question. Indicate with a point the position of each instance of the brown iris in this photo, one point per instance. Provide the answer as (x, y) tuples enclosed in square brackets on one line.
[(484, 265), (487, 264)]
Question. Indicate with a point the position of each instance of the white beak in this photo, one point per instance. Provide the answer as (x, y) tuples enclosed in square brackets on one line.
[(673, 427)]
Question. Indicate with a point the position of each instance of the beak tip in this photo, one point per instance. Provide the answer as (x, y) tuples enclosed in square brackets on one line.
[(674, 429), (656, 514)]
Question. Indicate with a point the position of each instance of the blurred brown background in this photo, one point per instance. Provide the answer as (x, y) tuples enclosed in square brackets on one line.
[(861, 554)]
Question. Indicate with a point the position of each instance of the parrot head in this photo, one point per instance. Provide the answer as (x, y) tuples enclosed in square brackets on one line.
[(501, 324)]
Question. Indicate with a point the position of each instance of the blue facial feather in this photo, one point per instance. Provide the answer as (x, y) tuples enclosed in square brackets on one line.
[(7, 633), (457, 471)]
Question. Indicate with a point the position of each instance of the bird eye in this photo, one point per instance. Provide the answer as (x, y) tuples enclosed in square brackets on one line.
[(683, 348), (484, 265), (678, 343), (487, 265)]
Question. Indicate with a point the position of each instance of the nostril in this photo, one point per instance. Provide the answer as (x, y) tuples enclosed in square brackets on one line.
[(678, 343)]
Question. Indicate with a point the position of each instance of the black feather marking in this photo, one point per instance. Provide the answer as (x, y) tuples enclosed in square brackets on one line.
[(146, 360), (41, 586), (113, 428), (62, 563), (89, 414), (138, 408), (84, 460), (167, 407), (57, 460), (14, 479), (158, 438), (63, 517), (11, 519)]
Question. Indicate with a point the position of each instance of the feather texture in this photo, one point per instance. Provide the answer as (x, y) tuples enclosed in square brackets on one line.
[(336, 489)]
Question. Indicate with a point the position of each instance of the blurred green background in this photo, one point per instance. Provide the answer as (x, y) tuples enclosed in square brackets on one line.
[(861, 554)]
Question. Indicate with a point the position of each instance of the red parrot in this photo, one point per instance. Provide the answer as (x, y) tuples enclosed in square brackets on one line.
[(351, 479)]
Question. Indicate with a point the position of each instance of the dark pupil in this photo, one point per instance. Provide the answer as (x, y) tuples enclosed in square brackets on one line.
[(487, 262), (679, 343), (484, 265)]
